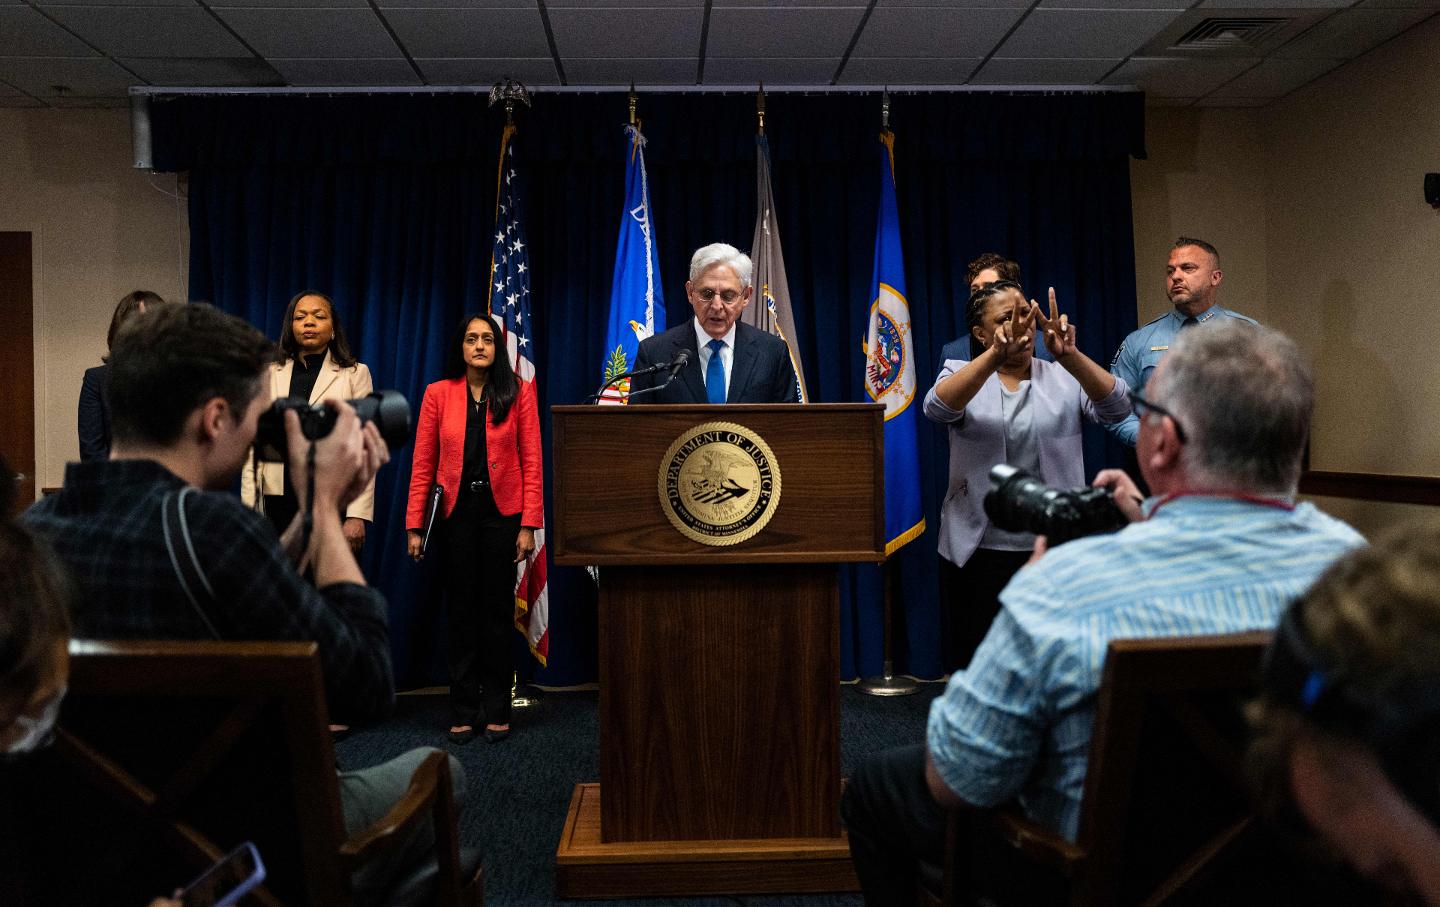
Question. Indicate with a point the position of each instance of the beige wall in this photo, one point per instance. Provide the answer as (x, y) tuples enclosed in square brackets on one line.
[(1354, 272), (1204, 177), (1315, 202), (101, 229)]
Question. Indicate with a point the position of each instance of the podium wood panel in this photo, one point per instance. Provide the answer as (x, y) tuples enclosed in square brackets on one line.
[(720, 704), (606, 481)]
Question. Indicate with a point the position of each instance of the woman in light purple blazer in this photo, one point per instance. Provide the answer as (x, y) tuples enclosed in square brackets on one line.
[(1006, 406)]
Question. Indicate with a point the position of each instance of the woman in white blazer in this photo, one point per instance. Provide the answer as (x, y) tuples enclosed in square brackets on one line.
[(318, 365)]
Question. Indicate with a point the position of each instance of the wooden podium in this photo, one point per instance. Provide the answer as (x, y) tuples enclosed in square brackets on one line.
[(719, 666)]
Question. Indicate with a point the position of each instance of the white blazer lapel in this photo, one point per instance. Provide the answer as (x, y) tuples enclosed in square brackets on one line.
[(280, 378), (329, 374)]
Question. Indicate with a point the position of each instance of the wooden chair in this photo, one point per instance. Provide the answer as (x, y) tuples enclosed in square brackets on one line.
[(209, 744), (1165, 800)]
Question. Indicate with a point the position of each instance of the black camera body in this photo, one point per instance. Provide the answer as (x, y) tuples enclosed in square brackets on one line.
[(389, 410), (1019, 502)]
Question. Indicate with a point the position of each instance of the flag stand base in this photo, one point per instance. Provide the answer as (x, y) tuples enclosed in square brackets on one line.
[(888, 684), (522, 695)]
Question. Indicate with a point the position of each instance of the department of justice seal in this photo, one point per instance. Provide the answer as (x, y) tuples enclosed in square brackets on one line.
[(719, 484)]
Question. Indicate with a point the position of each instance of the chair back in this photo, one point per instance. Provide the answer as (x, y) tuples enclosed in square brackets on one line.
[(1165, 790), (207, 745)]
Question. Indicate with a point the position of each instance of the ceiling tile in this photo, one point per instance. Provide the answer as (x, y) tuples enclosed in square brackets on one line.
[(89, 103), (532, 71), (287, 4), (771, 71), (1213, 101), (1274, 4), (91, 77), (967, 4), (29, 34), (7, 90), (20, 101), (777, 33), (793, 4), (1274, 78), (294, 33), (553, 5), (470, 33), (116, 2), (908, 71), (1399, 4), (600, 32), (450, 4), (1067, 71), (1168, 102), (639, 70), (1085, 33), (1120, 4), (150, 31), (934, 33), (369, 73), (206, 71), (1350, 33), (1177, 77)]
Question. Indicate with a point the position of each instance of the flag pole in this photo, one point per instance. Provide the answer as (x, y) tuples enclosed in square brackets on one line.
[(508, 91), (887, 683), (760, 107)]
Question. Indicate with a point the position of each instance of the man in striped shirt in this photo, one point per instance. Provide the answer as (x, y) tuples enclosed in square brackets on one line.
[(1220, 548)]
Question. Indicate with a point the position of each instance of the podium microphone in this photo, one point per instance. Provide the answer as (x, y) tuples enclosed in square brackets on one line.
[(681, 360)]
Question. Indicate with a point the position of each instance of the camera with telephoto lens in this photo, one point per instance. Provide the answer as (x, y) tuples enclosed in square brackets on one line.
[(1019, 502), (387, 409)]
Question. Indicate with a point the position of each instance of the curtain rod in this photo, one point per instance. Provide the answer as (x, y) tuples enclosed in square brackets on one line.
[(162, 91)]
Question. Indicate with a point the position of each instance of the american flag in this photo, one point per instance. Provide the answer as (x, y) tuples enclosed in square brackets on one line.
[(510, 304)]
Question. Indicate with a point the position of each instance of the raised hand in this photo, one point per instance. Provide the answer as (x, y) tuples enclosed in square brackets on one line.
[(1012, 336), (1058, 332)]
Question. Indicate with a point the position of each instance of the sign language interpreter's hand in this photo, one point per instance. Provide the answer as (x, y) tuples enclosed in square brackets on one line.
[(1059, 332), (1014, 335)]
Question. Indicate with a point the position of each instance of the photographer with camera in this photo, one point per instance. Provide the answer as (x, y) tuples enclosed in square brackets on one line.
[(159, 549), (1222, 548), (1004, 405)]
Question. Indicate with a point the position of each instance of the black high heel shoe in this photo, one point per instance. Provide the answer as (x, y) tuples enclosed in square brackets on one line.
[(494, 736)]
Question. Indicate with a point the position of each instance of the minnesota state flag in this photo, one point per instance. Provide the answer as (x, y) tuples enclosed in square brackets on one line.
[(637, 302), (890, 366)]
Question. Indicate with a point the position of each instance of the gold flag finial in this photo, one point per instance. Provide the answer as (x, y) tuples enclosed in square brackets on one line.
[(509, 91), (885, 109), (633, 101), (760, 106)]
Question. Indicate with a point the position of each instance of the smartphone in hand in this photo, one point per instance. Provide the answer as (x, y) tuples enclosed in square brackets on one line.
[(225, 883)]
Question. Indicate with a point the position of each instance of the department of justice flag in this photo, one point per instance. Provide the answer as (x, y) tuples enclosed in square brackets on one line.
[(510, 305), (637, 302), (890, 366)]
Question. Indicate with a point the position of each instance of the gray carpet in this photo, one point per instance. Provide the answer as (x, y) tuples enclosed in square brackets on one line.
[(519, 790)]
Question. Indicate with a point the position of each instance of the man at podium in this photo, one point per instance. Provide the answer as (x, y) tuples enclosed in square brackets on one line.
[(714, 358)]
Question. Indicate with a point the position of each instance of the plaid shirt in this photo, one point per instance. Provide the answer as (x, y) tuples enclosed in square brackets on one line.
[(106, 527)]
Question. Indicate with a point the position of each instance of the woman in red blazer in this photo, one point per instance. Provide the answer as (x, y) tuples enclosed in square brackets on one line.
[(478, 438)]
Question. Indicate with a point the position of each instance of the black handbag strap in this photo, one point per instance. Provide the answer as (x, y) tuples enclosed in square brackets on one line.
[(182, 556)]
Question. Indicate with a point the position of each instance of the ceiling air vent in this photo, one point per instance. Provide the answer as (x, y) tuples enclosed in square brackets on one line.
[(1231, 33)]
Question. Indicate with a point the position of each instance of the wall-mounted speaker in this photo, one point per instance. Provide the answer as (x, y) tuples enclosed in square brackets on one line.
[(1432, 189)]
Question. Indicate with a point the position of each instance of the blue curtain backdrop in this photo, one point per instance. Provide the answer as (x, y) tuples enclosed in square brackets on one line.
[(387, 203)]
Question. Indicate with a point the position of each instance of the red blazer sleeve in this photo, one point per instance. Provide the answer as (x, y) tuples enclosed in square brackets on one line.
[(425, 458), (532, 466)]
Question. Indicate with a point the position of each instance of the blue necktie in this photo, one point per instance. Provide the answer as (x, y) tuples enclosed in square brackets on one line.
[(715, 373)]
